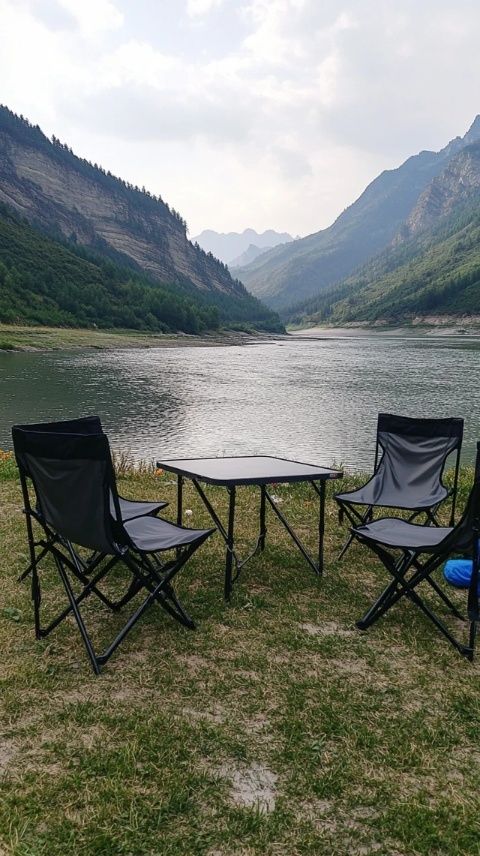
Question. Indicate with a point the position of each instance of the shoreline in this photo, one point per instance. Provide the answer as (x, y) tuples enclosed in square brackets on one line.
[(25, 339), (461, 328)]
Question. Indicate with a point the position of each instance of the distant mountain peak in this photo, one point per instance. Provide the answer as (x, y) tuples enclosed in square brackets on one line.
[(229, 246), (473, 133)]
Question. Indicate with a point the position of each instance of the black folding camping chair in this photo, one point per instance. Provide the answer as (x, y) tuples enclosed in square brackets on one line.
[(423, 549), (130, 509), (410, 457), (78, 504)]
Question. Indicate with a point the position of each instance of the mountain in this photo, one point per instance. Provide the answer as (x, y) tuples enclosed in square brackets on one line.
[(458, 182), (431, 269), (251, 253), (227, 246), (69, 199), (292, 273), (45, 281)]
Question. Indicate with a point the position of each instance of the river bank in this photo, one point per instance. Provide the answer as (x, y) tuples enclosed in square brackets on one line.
[(25, 338), (422, 326)]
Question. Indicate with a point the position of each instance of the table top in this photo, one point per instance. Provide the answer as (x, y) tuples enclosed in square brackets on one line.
[(248, 469)]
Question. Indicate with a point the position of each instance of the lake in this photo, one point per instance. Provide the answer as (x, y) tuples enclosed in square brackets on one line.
[(310, 399)]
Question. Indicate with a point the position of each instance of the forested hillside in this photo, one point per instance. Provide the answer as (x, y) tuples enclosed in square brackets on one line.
[(45, 281), (437, 272), (88, 247)]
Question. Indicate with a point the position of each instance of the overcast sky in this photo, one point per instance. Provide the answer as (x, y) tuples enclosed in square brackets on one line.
[(261, 113)]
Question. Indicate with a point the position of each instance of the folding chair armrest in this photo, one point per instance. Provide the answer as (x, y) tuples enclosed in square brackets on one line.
[(342, 496), (161, 502)]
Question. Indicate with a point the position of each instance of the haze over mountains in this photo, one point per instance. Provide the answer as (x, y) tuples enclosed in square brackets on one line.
[(431, 270), (80, 205), (231, 246), (294, 273)]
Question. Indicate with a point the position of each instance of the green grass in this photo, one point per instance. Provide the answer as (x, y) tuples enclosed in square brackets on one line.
[(368, 741), (18, 337)]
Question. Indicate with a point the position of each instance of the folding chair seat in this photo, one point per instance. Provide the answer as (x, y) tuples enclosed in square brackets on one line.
[(129, 509), (411, 553), (410, 457), (75, 489)]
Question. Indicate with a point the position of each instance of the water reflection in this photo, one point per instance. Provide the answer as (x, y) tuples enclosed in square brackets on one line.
[(316, 400)]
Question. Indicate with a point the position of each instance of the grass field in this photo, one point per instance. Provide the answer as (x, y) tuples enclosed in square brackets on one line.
[(25, 338), (276, 727)]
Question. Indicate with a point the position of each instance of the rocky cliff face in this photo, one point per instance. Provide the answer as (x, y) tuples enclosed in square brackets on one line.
[(458, 183), (296, 272), (51, 187)]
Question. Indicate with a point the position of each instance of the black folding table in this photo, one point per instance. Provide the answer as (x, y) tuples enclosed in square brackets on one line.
[(250, 470)]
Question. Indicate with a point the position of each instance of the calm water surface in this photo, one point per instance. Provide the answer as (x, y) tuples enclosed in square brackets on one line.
[(315, 400)]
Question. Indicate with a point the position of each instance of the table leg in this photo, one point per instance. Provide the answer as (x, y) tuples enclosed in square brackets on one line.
[(321, 527), (263, 529), (179, 506), (179, 500), (230, 542)]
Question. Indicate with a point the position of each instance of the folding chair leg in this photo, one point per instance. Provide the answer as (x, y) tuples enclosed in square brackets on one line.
[(431, 615), (401, 587), (145, 576), (181, 613), (391, 593), (345, 548), (166, 598), (441, 594), (471, 648), (37, 598), (355, 519), (78, 617), (177, 611), (155, 594), (381, 605), (89, 588), (23, 576)]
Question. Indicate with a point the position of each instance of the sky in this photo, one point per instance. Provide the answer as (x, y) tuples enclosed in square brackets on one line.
[(245, 113)]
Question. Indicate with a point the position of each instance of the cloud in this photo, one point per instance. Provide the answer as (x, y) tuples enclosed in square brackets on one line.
[(150, 114), (293, 164), (94, 16), (52, 14), (197, 8), (264, 113)]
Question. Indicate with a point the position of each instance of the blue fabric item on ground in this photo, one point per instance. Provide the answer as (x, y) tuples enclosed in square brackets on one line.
[(458, 572)]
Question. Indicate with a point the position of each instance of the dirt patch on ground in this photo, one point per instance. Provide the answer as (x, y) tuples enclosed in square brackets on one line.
[(195, 664), (326, 628), (251, 787), (8, 750), (215, 714)]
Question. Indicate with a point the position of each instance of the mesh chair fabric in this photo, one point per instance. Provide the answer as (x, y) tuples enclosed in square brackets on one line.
[(410, 470), (74, 484), (153, 534), (394, 532)]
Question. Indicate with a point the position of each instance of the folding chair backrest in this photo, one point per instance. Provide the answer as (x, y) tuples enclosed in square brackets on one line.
[(414, 452), (83, 425), (73, 479)]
